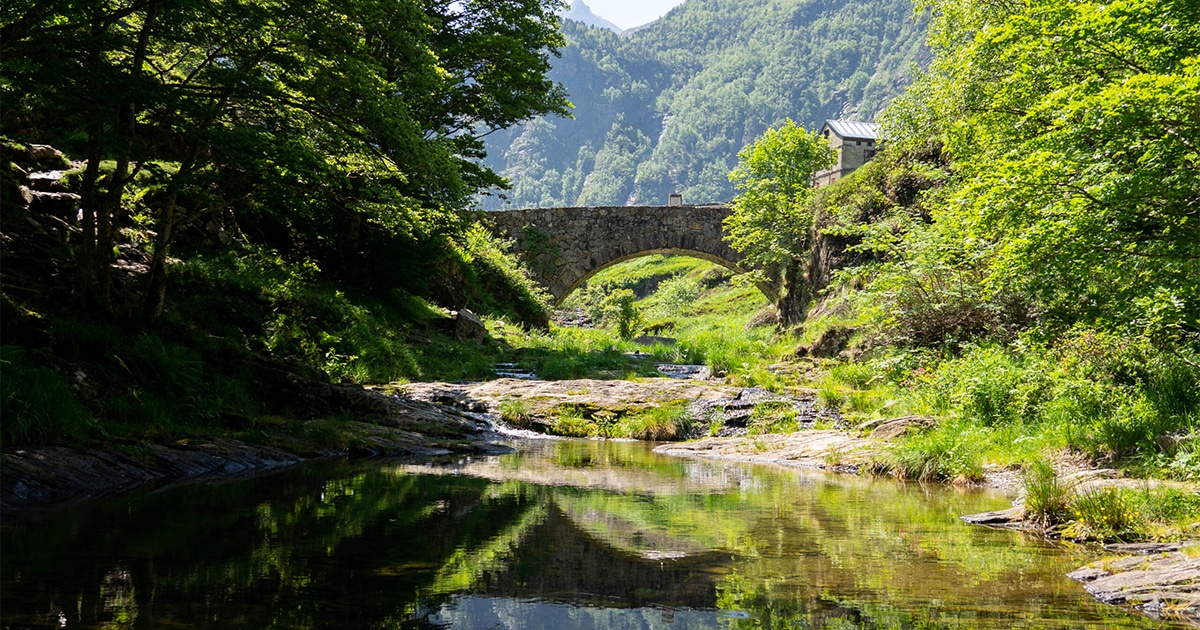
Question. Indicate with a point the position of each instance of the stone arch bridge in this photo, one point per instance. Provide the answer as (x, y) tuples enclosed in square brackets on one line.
[(564, 247)]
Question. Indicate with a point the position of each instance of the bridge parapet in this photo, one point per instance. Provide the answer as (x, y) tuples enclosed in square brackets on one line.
[(566, 246)]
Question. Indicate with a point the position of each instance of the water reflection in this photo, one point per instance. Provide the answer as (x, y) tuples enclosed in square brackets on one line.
[(559, 535)]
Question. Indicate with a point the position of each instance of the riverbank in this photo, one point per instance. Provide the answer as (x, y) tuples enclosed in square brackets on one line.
[(51, 475)]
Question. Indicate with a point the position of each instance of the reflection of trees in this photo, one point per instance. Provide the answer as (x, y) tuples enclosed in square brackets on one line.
[(351, 547), (303, 550)]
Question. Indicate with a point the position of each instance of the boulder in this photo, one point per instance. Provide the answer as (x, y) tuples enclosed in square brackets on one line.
[(828, 344), (47, 156), (47, 181), (897, 427), (468, 326), (55, 204)]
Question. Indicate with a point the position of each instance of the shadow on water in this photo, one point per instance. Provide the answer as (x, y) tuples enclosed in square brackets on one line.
[(564, 534)]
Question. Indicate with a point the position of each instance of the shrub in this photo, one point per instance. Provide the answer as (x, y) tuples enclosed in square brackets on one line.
[(991, 385), (676, 296), (620, 310)]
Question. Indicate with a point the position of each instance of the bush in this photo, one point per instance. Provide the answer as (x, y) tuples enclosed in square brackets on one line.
[(620, 310), (676, 296)]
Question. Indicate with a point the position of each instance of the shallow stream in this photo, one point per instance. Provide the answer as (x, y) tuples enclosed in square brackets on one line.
[(559, 535)]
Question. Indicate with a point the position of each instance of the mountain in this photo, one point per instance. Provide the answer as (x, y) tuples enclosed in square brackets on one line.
[(581, 12), (666, 108)]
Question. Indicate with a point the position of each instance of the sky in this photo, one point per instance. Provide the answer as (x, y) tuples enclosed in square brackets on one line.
[(631, 13)]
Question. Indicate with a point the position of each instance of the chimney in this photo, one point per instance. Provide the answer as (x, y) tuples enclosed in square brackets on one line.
[(675, 200)]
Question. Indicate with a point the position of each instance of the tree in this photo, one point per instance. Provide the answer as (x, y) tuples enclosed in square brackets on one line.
[(770, 219), (326, 114)]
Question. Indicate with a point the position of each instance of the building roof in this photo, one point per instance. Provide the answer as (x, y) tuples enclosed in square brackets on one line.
[(854, 129)]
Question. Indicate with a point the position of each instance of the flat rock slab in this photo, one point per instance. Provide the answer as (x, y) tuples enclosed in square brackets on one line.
[(58, 473), (1163, 585), (829, 449), (544, 396), (1012, 517)]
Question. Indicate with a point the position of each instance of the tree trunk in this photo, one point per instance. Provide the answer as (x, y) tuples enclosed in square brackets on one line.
[(795, 296), (88, 259), (156, 286), (112, 209)]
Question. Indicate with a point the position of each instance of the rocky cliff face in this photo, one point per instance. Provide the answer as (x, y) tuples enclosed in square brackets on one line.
[(581, 12)]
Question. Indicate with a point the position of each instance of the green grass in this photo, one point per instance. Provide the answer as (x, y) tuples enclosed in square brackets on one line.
[(948, 452), (666, 422), (38, 404), (517, 412), (773, 416)]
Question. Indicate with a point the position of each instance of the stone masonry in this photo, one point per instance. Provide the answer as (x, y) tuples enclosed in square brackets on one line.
[(566, 246)]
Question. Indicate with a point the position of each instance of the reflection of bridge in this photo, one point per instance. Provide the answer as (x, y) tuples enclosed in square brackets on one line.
[(566, 246)]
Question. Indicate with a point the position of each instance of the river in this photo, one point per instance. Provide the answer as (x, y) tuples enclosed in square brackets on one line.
[(558, 535)]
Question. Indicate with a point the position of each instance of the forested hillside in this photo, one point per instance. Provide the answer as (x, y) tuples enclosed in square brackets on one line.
[(666, 108)]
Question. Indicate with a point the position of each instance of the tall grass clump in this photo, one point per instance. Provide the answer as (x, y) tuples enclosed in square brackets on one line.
[(1127, 514), (1046, 496), (38, 405), (516, 412), (773, 416), (657, 424), (948, 452), (1104, 514), (569, 422)]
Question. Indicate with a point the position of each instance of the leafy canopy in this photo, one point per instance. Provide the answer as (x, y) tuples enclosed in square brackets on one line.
[(1073, 130), (771, 220)]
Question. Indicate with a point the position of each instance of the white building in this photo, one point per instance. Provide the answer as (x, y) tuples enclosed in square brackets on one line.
[(855, 143)]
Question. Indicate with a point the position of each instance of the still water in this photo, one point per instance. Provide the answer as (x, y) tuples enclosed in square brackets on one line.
[(559, 535)]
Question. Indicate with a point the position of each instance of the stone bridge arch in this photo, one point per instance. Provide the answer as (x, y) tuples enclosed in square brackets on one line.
[(564, 247)]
